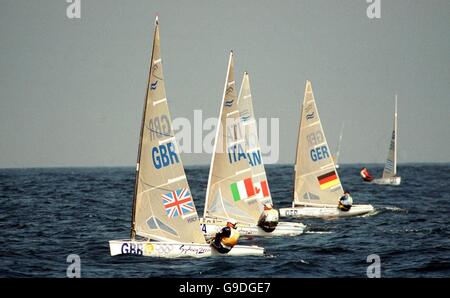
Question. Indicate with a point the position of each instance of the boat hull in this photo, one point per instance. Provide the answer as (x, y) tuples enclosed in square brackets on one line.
[(388, 181), (176, 250), (324, 212), (210, 227)]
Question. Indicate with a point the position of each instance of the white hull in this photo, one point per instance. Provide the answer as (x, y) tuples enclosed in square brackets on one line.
[(210, 227), (324, 212), (387, 181), (176, 250)]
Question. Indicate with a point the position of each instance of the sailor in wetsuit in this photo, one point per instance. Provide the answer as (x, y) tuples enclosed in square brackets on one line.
[(345, 202), (268, 220), (365, 175), (227, 237)]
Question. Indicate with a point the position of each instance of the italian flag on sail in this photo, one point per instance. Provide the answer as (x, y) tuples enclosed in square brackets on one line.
[(261, 189), (242, 189)]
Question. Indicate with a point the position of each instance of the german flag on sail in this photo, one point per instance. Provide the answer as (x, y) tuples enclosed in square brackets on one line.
[(328, 180)]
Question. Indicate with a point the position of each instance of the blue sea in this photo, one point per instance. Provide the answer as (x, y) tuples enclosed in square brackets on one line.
[(48, 214)]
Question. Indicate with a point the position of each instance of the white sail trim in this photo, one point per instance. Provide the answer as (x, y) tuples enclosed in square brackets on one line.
[(167, 140), (157, 102), (163, 185), (240, 141), (327, 166), (253, 149), (311, 124), (232, 113), (242, 172), (320, 144), (173, 180), (262, 173)]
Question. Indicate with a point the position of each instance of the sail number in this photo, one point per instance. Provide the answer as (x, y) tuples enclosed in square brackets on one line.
[(318, 152), (291, 212), (236, 153), (164, 155), (315, 138), (159, 127)]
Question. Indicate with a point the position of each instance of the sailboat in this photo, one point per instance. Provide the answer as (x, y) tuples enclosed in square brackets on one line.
[(164, 220), (390, 167), (317, 187), (338, 150), (243, 170)]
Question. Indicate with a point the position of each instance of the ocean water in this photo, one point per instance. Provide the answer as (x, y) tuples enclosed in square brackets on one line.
[(48, 214)]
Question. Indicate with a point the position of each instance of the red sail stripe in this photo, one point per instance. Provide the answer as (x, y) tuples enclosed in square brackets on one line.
[(249, 187), (265, 189), (177, 202)]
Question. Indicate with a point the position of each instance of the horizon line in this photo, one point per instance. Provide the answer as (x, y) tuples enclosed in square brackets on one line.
[(203, 165)]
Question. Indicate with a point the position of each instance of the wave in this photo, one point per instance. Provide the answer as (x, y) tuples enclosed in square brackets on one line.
[(384, 209), (395, 209)]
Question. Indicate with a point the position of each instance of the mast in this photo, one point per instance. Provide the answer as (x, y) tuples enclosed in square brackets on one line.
[(294, 193), (133, 222), (396, 133), (338, 147)]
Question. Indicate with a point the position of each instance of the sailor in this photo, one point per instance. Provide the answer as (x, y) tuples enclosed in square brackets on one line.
[(227, 237), (268, 220), (365, 175), (345, 202)]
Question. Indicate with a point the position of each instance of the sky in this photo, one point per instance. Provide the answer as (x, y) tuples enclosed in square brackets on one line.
[(72, 90)]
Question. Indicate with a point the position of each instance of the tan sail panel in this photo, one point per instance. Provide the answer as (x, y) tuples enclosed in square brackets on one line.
[(316, 179), (230, 191), (163, 205), (252, 145)]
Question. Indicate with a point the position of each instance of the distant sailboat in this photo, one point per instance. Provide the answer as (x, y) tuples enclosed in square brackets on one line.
[(244, 156), (317, 187), (390, 167), (164, 221)]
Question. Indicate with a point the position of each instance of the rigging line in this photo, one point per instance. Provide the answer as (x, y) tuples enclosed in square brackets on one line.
[(157, 187), (160, 133), (326, 167), (158, 77)]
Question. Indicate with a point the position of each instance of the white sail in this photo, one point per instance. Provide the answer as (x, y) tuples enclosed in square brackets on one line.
[(252, 146), (316, 179), (230, 191), (390, 167), (163, 206)]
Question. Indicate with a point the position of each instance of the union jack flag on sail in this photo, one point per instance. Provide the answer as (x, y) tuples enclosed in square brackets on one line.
[(178, 203)]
